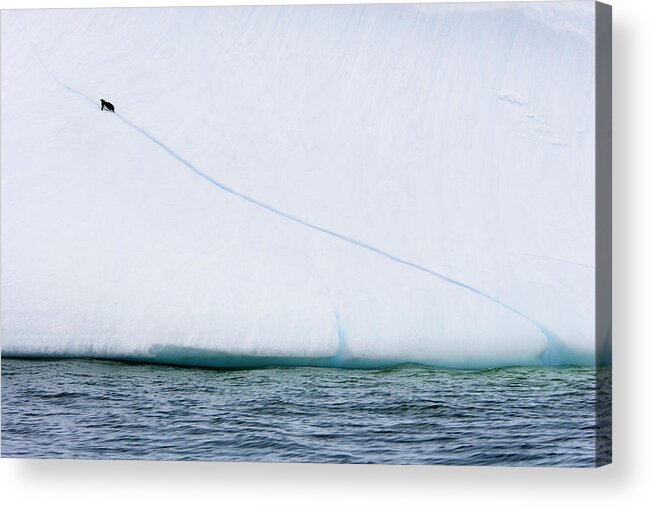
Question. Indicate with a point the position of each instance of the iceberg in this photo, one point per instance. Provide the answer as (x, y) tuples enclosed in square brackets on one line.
[(346, 186)]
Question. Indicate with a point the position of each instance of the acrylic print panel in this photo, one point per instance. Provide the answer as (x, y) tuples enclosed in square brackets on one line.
[(334, 234)]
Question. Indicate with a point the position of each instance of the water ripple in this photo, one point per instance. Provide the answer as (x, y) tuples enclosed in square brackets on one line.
[(110, 410)]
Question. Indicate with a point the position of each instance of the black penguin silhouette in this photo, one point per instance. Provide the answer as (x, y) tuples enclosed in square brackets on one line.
[(107, 105)]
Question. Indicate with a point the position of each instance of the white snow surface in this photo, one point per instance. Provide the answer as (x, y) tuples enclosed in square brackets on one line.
[(339, 185)]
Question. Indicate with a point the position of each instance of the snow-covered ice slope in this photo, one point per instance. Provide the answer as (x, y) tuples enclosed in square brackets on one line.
[(332, 185)]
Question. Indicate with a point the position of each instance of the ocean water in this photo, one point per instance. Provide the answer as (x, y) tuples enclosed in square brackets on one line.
[(94, 409)]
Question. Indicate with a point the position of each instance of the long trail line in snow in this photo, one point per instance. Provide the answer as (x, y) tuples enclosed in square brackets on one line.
[(289, 216), (319, 228), (315, 227)]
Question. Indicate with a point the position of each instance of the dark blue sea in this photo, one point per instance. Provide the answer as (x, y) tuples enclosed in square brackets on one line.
[(95, 409)]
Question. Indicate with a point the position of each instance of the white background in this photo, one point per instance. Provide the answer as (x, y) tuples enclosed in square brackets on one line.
[(626, 482)]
